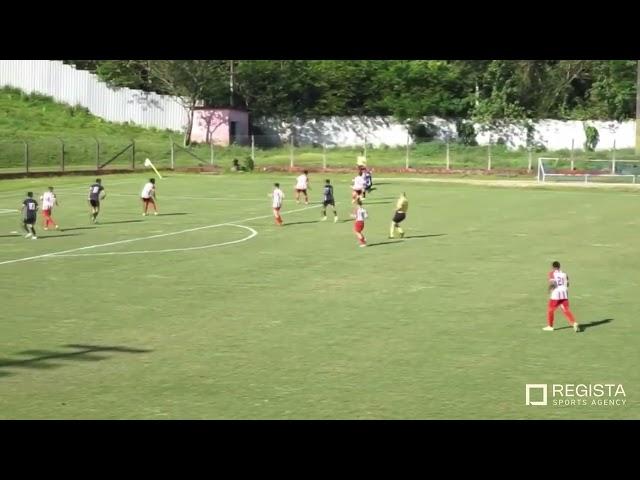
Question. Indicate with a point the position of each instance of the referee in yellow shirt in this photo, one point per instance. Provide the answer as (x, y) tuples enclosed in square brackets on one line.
[(401, 213)]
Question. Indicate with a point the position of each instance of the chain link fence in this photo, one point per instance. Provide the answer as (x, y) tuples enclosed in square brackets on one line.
[(262, 152)]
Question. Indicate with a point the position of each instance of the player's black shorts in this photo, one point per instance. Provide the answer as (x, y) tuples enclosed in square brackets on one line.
[(30, 220), (399, 217), (94, 203), (331, 202)]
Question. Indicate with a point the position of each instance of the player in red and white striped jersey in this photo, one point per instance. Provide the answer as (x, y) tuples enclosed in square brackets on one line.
[(360, 215), (277, 196), (148, 197), (357, 189), (302, 184), (49, 200), (559, 288)]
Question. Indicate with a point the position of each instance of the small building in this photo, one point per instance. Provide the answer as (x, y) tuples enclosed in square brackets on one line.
[(220, 126)]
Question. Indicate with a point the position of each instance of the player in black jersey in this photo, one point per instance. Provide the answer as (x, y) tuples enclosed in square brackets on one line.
[(94, 198), (328, 200), (29, 209)]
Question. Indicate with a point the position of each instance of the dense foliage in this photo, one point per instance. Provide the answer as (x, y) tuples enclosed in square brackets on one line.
[(485, 90)]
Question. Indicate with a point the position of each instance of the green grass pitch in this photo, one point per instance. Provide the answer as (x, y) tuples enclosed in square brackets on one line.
[(244, 319)]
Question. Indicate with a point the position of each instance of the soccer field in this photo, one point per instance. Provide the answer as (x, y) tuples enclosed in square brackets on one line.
[(209, 310)]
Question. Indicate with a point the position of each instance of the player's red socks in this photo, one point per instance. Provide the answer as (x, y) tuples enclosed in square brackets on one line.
[(569, 315)]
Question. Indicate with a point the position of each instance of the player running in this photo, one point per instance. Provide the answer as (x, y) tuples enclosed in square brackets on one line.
[(49, 200), (277, 196), (358, 187), (360, 215), (95, 198), (400, 214), (302, 184), (328, 199), (368, 182), (29, 210), (148, 196), (559, 288)]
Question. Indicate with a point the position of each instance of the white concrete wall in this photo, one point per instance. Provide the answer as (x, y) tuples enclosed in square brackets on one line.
[(354, 131)]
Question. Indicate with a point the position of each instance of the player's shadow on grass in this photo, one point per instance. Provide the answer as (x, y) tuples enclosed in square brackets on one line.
[(286, 224), (12, 235), (42, 359), (62, 235), (426, 236), (584, 326), (169, 214), (76, 228), (383, 243), (119, 221), (367, 202)]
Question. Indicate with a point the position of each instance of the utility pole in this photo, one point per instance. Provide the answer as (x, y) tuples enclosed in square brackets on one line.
[(638, 108), (231, 83)]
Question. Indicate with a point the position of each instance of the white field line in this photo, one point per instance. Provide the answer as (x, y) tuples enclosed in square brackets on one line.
[(120, 242), (252, 233)]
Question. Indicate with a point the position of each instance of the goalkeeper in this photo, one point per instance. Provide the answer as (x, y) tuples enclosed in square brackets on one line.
[(400, 214)]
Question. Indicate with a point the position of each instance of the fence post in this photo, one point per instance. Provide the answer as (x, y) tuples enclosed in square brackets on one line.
[(133, 154), (489, 155), (324, 156), (62, 152), (253, 149), (448, 159), (26, 156), (571, 157), (97, 153), (613, 164), (406, 157), (530, 160), (173, 154), (291, 152)]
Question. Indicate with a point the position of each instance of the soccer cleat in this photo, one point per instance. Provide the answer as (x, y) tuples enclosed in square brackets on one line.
[(576, 327), (548, 329), (335, 219), (45, 228), (57, 227), (27, 235), (362, 245), (144, 214), (155, 213), (324, 218), (391, 236), (34, 238)]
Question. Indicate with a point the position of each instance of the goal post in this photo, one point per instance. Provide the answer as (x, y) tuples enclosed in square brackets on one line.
[(556, 169)]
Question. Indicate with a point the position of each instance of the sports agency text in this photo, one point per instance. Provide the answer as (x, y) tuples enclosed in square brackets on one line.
[(570, 395)]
